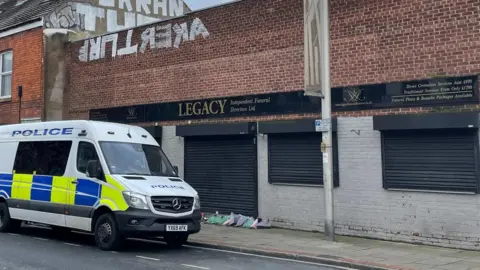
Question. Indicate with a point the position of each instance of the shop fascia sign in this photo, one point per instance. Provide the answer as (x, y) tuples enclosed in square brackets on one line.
[(161, 36)]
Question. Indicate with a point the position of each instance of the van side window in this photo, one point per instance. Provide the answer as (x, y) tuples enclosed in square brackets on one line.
[(43, 158), (86, 152), (26, 158)]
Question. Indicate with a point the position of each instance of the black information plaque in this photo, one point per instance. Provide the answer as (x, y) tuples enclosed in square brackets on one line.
[(432, 92), (254, 105)]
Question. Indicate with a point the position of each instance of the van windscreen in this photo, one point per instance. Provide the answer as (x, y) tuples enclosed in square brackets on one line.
[(136, 159)]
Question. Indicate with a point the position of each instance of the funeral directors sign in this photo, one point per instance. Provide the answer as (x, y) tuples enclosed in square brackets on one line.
[(254, 105), (437, 91), (432, 92)]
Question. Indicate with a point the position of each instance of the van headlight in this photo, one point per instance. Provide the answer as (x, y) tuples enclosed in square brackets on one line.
[(197, 203), (135, 200)]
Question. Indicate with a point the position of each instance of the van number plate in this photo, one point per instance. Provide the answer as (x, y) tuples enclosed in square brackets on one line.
[(177, 228)]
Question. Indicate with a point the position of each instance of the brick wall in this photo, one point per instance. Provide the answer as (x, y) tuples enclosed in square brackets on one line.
[(257, 46), (377, 41), (27, 50), (253, 47)]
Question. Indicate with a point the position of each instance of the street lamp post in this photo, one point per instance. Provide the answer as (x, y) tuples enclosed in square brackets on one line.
[(317, 83), (327, 115)]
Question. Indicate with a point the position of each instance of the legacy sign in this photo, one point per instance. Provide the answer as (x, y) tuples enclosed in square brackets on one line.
[(265, 104)]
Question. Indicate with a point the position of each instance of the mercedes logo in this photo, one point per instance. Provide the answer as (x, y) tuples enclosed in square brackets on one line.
[(176, 204)]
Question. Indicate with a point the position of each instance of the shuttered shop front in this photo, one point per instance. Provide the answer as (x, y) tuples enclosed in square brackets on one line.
[(443, 160), (295, 158), (223, 171)]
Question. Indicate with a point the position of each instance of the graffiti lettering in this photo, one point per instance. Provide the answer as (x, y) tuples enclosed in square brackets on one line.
[(129, 49), (181, 31), (155, 37), (63, 18), (82, 16)]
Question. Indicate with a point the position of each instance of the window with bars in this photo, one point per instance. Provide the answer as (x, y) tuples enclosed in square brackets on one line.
[(6, 65)]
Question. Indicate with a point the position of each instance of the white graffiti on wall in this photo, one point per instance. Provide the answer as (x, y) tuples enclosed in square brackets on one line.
[(155, 37), (83, 16), (62, 18)]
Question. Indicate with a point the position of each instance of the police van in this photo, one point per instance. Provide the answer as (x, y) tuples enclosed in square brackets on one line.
[(112, 180)]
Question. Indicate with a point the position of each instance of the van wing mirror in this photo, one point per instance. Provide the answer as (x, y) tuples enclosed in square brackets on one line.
[(94, 170), (175, 168)]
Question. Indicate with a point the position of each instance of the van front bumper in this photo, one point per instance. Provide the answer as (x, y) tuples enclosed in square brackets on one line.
[(144, 223)]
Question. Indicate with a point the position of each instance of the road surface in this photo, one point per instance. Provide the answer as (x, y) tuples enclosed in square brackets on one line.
[(39, 249)]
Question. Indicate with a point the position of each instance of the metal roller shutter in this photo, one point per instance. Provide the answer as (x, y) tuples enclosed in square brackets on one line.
[(430, 160), (223, 171), (296, 158)]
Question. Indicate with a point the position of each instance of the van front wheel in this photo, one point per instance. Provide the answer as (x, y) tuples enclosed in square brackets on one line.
[(107, 236), (7, 224)]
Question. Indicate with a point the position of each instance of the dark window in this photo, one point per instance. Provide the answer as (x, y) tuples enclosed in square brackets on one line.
[(430, 160), (86, 152), (296, 158), (136, 159), (42, 158), (26, 158)]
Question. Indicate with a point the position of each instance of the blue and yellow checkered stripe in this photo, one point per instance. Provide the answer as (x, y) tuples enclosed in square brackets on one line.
[(6, 185), (60, 190)]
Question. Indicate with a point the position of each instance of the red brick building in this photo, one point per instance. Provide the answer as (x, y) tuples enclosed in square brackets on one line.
[(224, 85), (21, 66), (23, 54), (243, 48), (253, 40)]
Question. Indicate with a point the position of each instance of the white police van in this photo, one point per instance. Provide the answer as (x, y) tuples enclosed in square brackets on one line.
[(110, 179)]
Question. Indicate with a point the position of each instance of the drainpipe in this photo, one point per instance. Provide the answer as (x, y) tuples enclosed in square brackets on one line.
[(20, 94)]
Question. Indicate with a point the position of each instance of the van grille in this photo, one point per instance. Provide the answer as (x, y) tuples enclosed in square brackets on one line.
[(165, 204)]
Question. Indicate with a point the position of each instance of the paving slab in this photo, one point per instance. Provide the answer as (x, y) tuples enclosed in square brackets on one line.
[(438, 261), (459, 266), (419, 266)]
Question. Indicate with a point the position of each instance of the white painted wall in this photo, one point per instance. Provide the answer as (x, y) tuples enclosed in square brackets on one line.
[(173, 147), (363, 207), (290, 207)]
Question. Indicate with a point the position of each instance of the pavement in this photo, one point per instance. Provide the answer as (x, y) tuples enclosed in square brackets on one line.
[(35, 248), (357, 253)]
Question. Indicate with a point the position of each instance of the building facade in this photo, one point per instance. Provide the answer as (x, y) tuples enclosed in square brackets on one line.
[(222, 90), (21, 60), (15, 72), (79, 19), (32, 52)]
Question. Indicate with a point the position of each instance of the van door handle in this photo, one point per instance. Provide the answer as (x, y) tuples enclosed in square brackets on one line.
[(75, 182)]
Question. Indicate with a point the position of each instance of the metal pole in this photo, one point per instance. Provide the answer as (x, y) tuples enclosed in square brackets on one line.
[(327, 114), (20, 95)]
